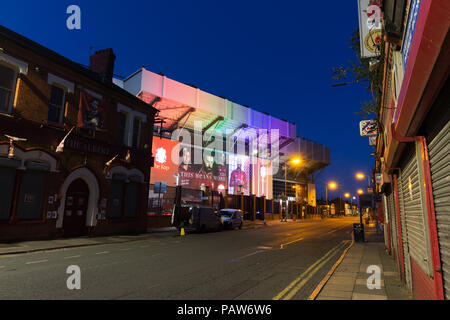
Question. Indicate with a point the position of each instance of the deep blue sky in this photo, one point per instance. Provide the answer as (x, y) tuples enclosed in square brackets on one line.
[(274, 56)]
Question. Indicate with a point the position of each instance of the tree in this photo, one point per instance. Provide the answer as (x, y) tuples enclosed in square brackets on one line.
[(367, 73)]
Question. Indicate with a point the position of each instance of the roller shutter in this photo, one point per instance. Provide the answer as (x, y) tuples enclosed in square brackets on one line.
[(393, 220), (415, 212), (406, 258), (439, 157)]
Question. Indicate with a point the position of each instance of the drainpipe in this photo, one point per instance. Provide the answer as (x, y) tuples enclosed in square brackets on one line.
[(437, 269)]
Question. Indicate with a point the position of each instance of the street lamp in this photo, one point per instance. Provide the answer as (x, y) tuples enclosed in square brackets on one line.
[(294, 161), (332, 185), (361, 176)]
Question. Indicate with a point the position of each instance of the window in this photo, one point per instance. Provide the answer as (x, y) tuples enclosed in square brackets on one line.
[(31, 195), (116, 196), (6, 191), (56, 106), (121, 128), (131, 199), (7, 78), (136, 132)]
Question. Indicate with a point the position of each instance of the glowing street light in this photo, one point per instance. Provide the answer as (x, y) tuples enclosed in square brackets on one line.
[(347, 195), (360, 176), (295, 160), (360, 191), (332, 185)]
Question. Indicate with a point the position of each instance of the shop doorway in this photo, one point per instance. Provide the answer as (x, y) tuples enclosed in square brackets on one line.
[(75, 209)]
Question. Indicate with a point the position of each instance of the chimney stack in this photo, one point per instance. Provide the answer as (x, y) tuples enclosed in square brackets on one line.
[(102, 62)]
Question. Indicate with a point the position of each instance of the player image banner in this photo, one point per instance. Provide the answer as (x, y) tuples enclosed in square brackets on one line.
[(239, 174), (198, 176)]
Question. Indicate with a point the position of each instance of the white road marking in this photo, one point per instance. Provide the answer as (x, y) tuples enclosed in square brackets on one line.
[(71, 257), (125, 249), (39, 261), (246, 256), (103, 252)]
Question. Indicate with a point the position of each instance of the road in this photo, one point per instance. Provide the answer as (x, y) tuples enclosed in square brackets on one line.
[(280, 261)]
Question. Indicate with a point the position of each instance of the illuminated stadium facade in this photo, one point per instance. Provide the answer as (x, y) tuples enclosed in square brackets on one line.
[(256, 145)]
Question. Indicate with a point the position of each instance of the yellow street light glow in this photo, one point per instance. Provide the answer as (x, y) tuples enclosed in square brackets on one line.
[(360, 191), (332, 185), (360, 176), (347, 195), (296, 160)]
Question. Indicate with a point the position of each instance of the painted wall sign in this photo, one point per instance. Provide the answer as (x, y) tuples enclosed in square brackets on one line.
[(76, 143), (409, 33)]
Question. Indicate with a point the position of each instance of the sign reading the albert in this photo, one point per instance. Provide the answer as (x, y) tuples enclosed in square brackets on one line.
[(89, 146)]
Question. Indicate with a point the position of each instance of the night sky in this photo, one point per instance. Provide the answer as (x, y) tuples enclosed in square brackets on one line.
[(274, 56)]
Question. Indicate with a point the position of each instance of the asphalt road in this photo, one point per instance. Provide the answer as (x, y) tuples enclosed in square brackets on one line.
[(280, 261)]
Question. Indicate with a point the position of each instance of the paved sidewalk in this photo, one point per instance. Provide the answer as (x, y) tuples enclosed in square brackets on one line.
[(349, 280)]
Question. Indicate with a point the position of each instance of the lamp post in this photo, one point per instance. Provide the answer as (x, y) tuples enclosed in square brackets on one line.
[(360, 192), (361, 176), (347, 195), (332, 186), (295, 161)]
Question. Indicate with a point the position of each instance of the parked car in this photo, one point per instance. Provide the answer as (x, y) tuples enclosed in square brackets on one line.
[(231, 218)]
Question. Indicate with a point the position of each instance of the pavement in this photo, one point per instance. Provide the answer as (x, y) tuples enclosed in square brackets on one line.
[(350, 279)]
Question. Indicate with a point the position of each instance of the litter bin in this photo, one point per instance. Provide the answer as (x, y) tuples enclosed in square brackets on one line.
[(358, 232)]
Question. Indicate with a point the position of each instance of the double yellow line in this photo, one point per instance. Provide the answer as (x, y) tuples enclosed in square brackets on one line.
[(301, 280)]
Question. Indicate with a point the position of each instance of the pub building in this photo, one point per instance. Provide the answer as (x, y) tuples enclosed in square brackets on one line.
[(75, 149)]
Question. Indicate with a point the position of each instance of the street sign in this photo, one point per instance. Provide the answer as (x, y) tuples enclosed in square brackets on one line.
[(160, 187), (373, 140), (368, 128), (366, 201)]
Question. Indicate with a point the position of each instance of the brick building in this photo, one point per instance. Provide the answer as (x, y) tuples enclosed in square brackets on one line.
[(46, 191)]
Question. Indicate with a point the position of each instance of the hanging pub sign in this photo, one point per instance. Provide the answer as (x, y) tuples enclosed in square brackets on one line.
[(370, 34), (373, 140), (368, 128)]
